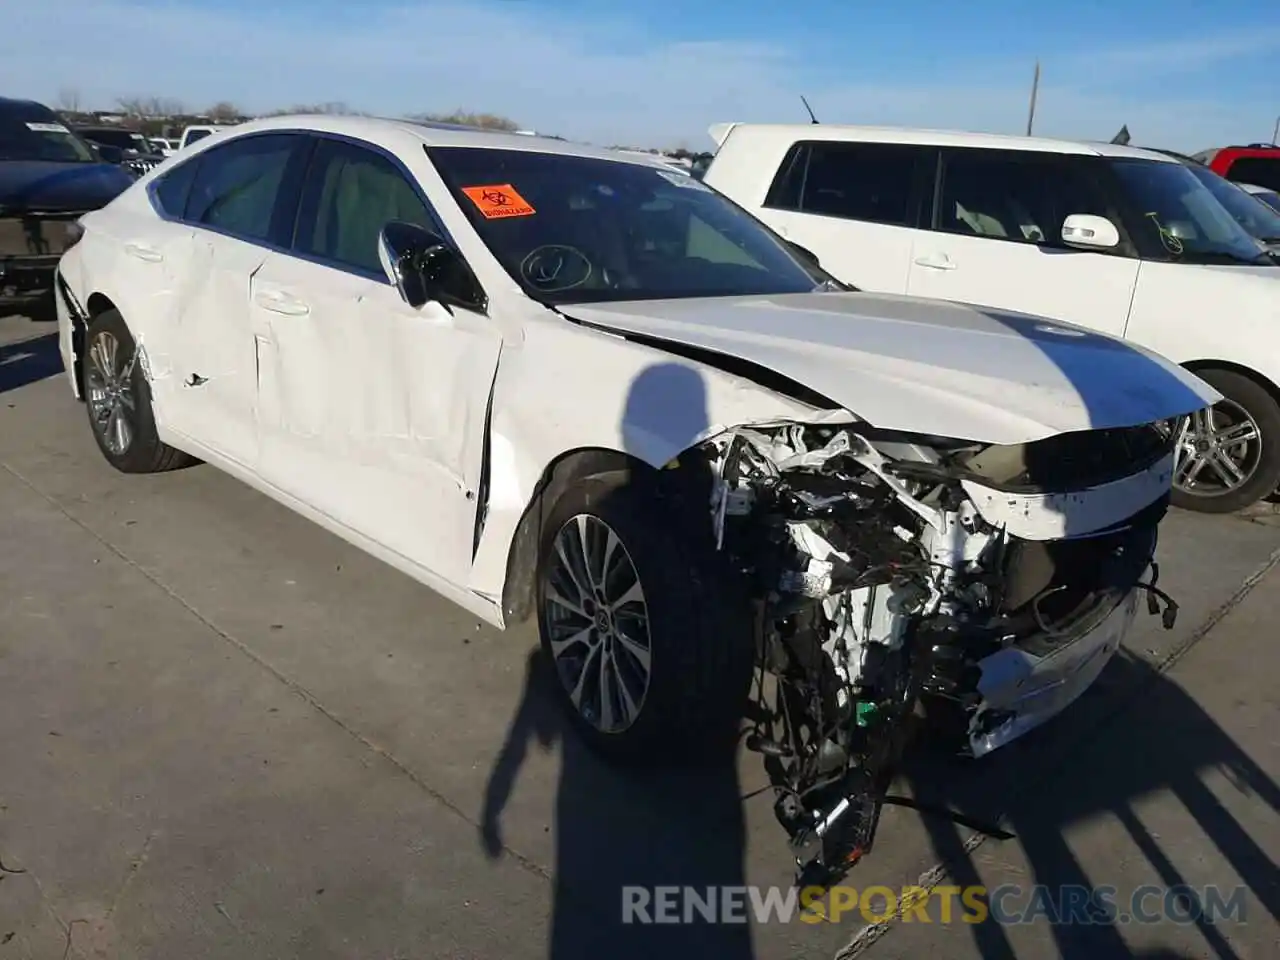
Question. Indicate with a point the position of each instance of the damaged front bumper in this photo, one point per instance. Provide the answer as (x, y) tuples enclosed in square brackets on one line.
[(981, 587)]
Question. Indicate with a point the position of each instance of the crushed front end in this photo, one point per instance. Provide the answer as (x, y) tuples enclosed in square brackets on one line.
[(901, 580)]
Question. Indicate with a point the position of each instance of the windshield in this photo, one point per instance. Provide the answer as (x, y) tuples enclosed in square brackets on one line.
[(1260, 220), (1181, 215), (1270, 198), (581, 230), (32, 138)]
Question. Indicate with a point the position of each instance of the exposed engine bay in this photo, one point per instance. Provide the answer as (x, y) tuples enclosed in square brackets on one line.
[(895, 579)]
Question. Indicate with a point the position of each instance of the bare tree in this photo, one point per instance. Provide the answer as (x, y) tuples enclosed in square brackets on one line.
[(224, 112), (487, 121), (332, 108), (131, 106), (69, 100)]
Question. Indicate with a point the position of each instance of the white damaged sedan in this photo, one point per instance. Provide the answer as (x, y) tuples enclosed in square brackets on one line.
[(552, 381)]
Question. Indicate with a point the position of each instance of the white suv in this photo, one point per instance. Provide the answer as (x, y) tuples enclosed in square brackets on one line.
[(1108, 237)]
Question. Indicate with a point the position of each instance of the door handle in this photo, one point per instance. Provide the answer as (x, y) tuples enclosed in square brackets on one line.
[(143, 251), (282, 303), (935, 261)]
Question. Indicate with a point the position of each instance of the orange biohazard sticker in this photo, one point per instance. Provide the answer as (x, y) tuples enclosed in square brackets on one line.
[(499, 201)]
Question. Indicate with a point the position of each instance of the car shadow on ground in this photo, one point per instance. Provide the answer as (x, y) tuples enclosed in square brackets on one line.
[(29, 361), (1157, 742), (617, 828)]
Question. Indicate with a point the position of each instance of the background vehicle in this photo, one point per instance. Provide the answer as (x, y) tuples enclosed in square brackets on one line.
[(1268, 196), (535, 340), (197, 132), (1251, 212), (1257, 163), (1110, 237), (128, 148), (48, 178)]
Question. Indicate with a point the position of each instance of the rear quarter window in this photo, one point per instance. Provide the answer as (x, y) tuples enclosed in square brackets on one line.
[(169, 193)]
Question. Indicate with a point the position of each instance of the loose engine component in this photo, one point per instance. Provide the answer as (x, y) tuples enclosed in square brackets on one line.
[(879, 587)]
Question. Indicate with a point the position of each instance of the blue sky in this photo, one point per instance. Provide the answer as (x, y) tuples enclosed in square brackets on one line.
[(658, 72)]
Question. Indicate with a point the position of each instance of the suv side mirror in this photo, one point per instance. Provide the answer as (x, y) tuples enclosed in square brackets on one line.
[(423, 267), (1089, 231)]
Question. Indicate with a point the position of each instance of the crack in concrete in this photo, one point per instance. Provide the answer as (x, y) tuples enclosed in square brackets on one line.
[(930, 879)]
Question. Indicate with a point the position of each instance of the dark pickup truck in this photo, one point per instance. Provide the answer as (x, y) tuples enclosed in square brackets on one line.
[(49, 178)]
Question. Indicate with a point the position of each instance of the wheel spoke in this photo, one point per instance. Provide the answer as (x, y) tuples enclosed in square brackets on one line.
[(584, 589), (1190, 469), (641, 654), (575, 694), (583, 636), (1227, 469), (607, 673), (634, 594), (554, 595), (1237, 433)]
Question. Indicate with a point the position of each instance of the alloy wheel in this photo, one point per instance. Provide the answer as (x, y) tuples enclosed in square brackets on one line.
[(596, 622), (109, 382), (1218, 450)]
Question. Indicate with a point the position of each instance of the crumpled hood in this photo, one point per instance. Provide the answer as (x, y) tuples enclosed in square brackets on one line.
[(927, 366), (48, 185)]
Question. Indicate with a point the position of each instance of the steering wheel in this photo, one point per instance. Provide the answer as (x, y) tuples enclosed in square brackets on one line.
[(556, 267)]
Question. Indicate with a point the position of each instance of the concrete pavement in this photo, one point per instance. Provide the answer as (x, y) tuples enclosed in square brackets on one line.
[(227, 734)]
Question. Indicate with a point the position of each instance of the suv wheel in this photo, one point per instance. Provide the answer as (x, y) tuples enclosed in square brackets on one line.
[(1228, 456)]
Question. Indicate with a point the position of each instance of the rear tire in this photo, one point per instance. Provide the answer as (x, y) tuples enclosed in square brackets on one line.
[(665, 618), (1249, 410), (118, 400)]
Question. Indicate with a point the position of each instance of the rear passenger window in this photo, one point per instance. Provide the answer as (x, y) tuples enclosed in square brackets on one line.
[(872, 182), (171, 191), (1019, 197), (237, 183), (352, 193)]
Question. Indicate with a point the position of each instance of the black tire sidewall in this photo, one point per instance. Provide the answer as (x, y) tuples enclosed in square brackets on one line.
[(1262, 406), (701, 647), (142, 450)]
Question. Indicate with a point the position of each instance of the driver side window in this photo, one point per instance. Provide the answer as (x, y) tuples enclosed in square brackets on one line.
[(705, 242), (351, 193)]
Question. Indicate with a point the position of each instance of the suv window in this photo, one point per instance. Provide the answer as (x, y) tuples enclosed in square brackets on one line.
[(1263, 171), (236, 184), (351, 193), (1023, 197), (853, 181)]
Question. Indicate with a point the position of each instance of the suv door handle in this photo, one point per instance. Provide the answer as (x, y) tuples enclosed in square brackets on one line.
[(279, 302), (935, 261), (143, 251)]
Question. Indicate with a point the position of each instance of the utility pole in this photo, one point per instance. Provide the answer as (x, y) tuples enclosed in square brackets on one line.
[(1035, 89), (1275, 134)]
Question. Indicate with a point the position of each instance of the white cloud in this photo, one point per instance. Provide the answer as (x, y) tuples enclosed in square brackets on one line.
[(607, 81)]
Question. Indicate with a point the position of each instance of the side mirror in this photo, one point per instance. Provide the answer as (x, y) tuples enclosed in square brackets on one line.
[(423, 267), (1090, 232)]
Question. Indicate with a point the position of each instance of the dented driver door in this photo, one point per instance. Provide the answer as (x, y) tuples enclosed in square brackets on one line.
[(371, 411)]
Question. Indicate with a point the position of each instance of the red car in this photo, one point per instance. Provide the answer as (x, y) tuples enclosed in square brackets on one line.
[(1258, 163)]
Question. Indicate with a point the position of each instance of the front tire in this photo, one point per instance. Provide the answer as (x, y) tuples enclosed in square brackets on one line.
[(650, 643), (1228, 456), (118, 400)]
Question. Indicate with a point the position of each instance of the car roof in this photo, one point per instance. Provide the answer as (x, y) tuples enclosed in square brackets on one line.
[(10, 105), (848, 133), (433, 134)]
